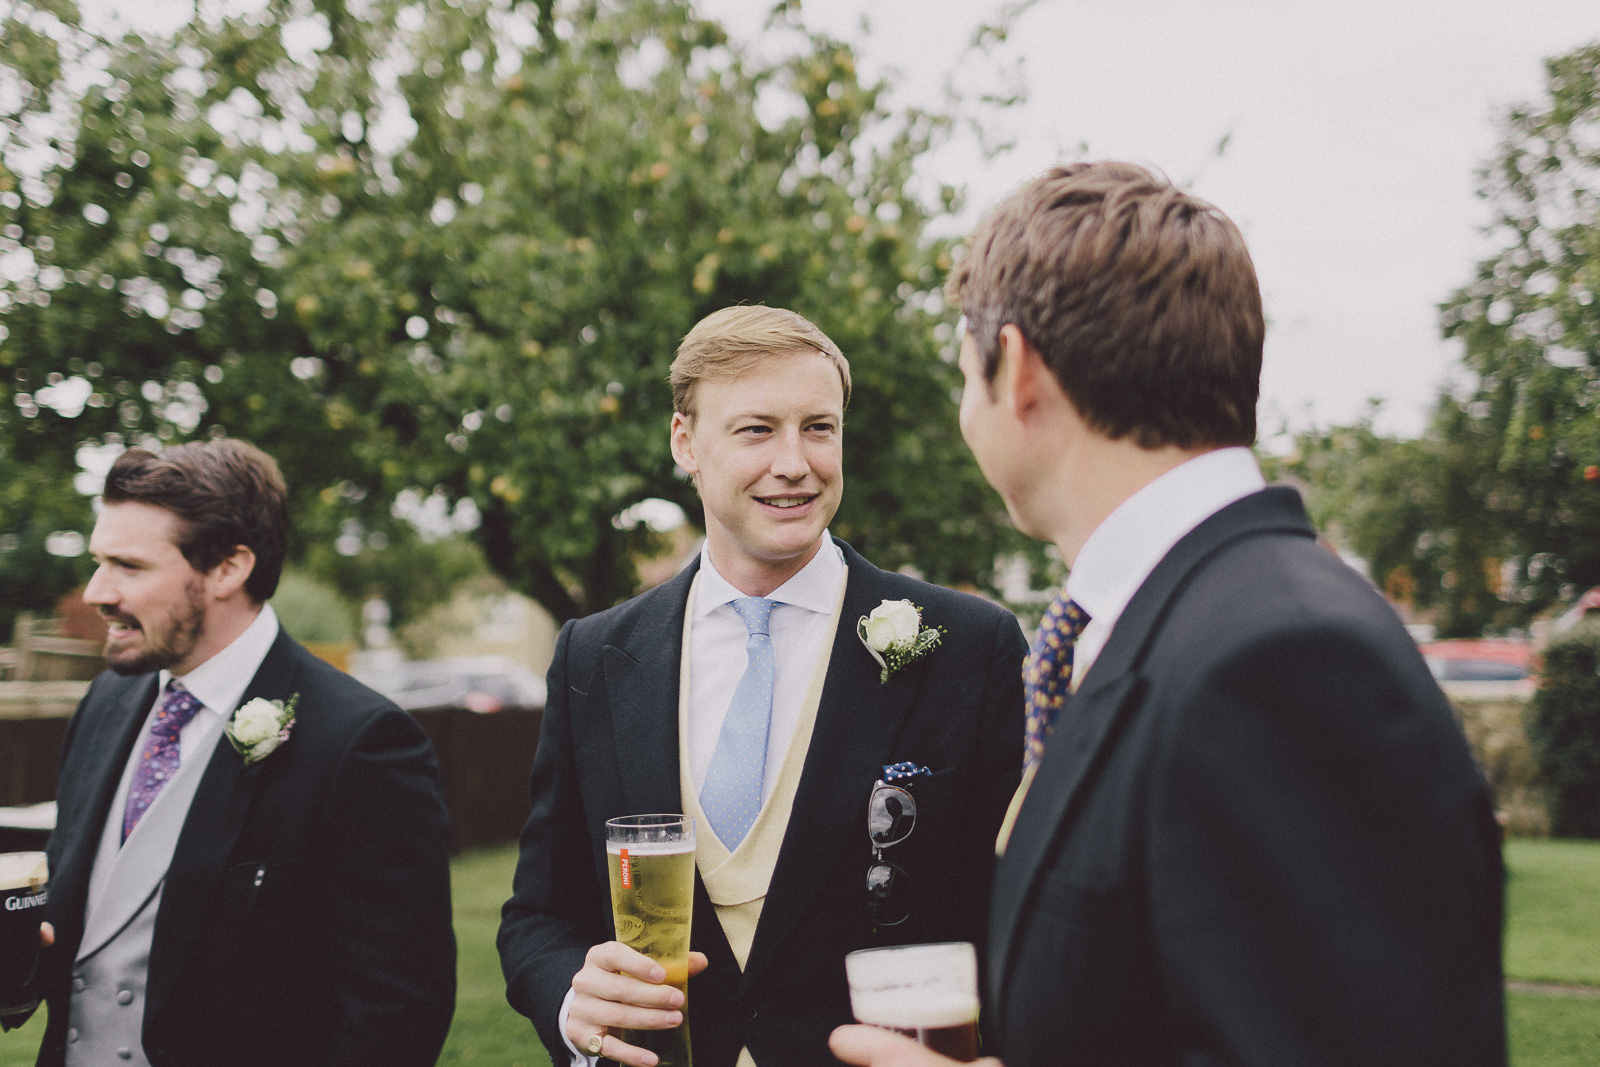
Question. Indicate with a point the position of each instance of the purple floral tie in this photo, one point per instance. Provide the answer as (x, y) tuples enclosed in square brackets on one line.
[(1047, 676), (159, 761)]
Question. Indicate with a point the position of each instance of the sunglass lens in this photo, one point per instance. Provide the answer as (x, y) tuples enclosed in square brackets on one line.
[(890, 815), (888, 894)]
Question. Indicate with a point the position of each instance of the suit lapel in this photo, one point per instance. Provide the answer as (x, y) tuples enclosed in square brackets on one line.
[(216, 817), (1087, 728), (641, 679), (857, 720), (109, 733), (1112, 690), (126, 877)]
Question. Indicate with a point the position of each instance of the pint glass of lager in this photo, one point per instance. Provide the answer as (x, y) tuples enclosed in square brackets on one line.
[(652, 899), (929, 992), (23, 878)]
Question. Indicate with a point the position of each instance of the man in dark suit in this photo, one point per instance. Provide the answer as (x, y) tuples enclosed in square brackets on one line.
[(640, 699), (1253, 833), (241, 890)]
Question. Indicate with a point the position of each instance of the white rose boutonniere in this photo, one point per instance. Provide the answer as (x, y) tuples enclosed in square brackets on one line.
[(259, 727), (895, 636)]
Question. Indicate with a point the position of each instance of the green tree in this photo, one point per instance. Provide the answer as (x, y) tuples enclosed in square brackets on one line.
[(451, 249), (1494, 515), (36, 506), (1530, 323), (1413, 510)]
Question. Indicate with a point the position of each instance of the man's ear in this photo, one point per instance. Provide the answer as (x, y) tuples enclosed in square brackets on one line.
[(228, 577), (1017, 379), (683, 442)]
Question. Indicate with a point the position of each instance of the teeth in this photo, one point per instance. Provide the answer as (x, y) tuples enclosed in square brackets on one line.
[(787, 501)]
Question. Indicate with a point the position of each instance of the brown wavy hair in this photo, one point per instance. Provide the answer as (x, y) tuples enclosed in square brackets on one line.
[(225, 493), (1141, 298)]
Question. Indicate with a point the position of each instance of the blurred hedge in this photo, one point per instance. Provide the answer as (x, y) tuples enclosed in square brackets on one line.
[(1564, 732)]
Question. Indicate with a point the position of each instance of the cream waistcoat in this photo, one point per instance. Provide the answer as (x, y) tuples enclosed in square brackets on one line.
[(737, 882)]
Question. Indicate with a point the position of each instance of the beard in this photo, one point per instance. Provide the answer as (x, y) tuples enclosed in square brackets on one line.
[(165, 645)]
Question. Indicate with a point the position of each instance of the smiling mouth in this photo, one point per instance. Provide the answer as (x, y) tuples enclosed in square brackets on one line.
[(785, 501), (121, 628)]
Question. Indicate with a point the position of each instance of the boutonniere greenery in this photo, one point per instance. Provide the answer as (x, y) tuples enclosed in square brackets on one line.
[(895, 636), (259, 727)]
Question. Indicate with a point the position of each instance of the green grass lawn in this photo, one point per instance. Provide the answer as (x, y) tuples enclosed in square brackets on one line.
[(486, 1030), (1552, 934)]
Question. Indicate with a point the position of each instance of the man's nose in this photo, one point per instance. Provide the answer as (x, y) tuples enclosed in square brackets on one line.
[(791, 461), (99, 591)]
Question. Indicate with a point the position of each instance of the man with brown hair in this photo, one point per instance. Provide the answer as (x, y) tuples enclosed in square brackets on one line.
[(1250, 831), (250, 864), (644, 698)]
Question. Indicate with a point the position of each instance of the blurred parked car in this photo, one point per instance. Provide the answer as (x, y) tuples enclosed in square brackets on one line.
[(1586, 606), (477, 683), (1481, 659)]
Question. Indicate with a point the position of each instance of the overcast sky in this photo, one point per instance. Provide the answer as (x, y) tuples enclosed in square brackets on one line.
[(1355, 130)]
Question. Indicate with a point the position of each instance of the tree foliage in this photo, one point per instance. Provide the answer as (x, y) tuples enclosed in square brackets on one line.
[(1495, 515), (1564, 730), (449, 250)]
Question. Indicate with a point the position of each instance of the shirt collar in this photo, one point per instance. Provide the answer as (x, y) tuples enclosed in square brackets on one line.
[(815, 587), (1122, 551), (220, 681)]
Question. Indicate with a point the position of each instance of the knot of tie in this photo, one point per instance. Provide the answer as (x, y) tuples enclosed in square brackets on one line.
[(1047, 677), (178, 707), (757, 614)]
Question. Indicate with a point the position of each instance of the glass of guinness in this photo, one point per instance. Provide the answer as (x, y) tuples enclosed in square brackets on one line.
[(928, 992), (651, 859), (24, 877)]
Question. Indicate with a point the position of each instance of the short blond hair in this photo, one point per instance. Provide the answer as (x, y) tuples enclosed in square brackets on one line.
[(728, 343)]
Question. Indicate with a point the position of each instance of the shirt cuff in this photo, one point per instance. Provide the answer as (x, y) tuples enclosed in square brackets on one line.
[(579, 1057)]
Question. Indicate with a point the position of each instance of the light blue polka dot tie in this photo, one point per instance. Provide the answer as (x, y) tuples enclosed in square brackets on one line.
[(731, 796)]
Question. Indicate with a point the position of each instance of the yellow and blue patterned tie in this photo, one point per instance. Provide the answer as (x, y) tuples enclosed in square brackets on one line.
[(731, 795), (1047, 676)]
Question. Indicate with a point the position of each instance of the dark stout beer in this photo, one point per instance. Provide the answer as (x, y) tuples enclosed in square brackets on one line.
[(927, 992), (949, 1028), (23, 880)]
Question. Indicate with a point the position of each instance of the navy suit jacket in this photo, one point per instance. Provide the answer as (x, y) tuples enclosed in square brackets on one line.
[(1256, 837), (305, 918), (609, 747)]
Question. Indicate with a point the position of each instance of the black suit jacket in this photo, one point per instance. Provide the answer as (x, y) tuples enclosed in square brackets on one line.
[(609, 747), (305, 918), (1257, 836)]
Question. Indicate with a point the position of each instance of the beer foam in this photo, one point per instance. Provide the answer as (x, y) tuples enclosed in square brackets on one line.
[(651, 848), (923, 1011), (21, 870)]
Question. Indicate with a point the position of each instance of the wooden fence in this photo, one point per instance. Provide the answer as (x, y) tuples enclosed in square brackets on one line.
[(484, 759)]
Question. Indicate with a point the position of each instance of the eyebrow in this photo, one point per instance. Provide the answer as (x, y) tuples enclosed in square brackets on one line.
[(756, 416), (119, 558)]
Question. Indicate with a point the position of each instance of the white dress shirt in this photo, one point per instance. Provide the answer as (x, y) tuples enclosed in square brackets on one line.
[(717, 637), (1117, 558)]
